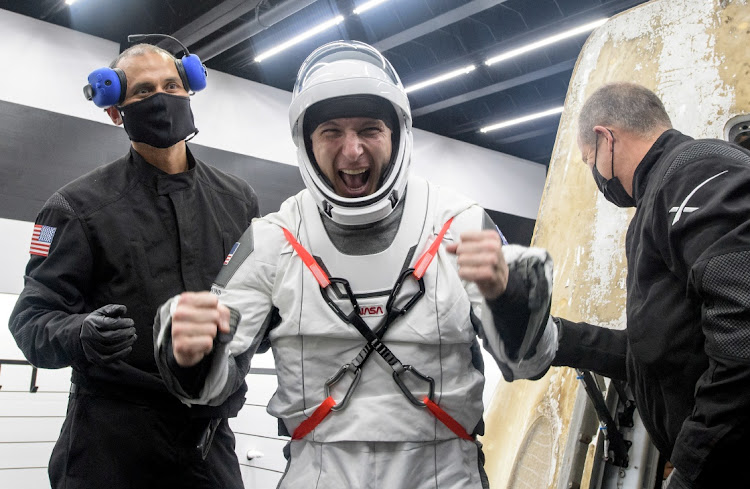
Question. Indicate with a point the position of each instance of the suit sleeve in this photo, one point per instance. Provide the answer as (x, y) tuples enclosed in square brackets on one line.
[(516, 328), (46, 320), (711, 244), (245, 286)]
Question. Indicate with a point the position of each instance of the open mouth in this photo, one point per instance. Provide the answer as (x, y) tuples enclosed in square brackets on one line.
[(355, 181)]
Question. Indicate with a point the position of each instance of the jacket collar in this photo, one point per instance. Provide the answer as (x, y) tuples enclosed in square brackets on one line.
[(668, 140), (163, 182)]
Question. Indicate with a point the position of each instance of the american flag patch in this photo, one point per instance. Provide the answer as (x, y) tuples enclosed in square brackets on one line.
[(41, 239), (231, 252)]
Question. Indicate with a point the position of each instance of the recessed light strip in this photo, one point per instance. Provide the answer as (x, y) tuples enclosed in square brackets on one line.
[(526, 118), (441, 78), (545, 42), (297, 39), (367, 6)]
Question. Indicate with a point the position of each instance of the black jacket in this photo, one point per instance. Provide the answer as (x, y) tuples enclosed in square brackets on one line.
[(686, 350), (126, 233)]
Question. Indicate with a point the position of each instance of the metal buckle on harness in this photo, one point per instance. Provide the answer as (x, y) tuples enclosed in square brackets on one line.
[(340, 288), (357, 372), (400, 382), (391, 306), (333, 289)]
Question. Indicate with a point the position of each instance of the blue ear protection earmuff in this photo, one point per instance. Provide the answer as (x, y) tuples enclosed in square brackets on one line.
[(107, 86)]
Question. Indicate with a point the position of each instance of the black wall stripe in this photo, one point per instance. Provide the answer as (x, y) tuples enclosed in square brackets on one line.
[(516, 229), (40, 151)]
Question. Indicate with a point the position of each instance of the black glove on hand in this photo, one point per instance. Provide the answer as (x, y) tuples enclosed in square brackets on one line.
[(106, 336)]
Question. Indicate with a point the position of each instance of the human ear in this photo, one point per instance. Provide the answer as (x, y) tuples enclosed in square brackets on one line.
[(114, 114)]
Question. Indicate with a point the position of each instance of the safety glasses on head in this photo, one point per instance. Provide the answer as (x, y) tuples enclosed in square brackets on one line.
[(342, 69)]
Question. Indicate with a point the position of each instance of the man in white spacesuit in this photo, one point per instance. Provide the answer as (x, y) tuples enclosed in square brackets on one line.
[(363, 249)]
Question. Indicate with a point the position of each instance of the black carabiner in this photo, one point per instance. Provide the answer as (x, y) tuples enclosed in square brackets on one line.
[(342, 282), (420, 376), (336, 378), (390, 306), (373, 338)]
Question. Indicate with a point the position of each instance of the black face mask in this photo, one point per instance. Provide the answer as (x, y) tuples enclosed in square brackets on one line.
[(612, 189), (161, 120)]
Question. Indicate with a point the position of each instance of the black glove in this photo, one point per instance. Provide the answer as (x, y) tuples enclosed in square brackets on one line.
[(106, 336)]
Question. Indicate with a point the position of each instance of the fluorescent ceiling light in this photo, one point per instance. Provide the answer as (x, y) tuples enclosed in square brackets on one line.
[(525, 118), (297, 39), (441, 78), (545, 42), (70, 2), (367, 6)]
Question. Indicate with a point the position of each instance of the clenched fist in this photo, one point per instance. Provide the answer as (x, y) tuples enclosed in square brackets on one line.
[(107, 336), (481, 260), (196, 320)]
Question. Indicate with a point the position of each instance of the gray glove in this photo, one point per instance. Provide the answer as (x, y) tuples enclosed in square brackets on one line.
[(533, 266), (106, 336)]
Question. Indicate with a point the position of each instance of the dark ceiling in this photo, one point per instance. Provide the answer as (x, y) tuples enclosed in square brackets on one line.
[(421, 38)]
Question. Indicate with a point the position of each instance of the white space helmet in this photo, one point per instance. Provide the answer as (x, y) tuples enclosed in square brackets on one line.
[(350, 68)]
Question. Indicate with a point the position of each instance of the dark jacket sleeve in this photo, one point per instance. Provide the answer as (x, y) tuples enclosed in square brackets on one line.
[(511, 314), (511, 308), (711, 243), (589, 347), (46, 320), (253, 209)]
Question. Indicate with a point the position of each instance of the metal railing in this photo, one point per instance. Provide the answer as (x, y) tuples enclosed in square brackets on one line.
[(32, 385)]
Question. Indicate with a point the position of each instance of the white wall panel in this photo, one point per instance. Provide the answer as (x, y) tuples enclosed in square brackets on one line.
[(260, 388), (14, 254), (48, 65), (30, 429), (35, 478), (15, 378), (24, 455), (39, 404), (254, 420), (29, 422), (51, 63), (53, 381), (271, 449), (254, 478), (495, 180)]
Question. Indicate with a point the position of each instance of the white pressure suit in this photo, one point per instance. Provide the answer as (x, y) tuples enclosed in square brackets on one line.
[(379, 439)]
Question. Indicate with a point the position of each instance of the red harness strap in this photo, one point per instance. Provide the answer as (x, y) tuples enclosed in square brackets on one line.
[(446, 419), (310, 423), (320, 413), (424, 261), (319, 274)]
